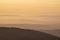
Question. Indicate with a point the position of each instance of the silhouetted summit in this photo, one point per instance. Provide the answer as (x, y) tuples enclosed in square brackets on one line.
[(24, 34)]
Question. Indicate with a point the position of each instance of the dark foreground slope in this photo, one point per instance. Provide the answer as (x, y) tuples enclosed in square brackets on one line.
[(24, 34)]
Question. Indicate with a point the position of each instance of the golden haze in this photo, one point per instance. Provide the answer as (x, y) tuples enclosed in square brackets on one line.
[(29, 11)]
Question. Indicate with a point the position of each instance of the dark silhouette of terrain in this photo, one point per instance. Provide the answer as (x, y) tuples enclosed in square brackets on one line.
[(55, 32), (24, 34)]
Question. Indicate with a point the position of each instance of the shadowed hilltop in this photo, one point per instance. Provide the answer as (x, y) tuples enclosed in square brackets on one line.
[(24, 34)]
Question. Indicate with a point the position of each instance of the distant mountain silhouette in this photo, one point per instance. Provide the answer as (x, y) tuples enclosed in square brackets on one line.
[(24, 34)]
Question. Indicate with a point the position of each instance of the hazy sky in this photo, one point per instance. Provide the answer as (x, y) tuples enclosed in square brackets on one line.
[(29, 11)]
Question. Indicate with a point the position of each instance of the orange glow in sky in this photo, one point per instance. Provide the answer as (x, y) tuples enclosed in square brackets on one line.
[(29, 11)]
